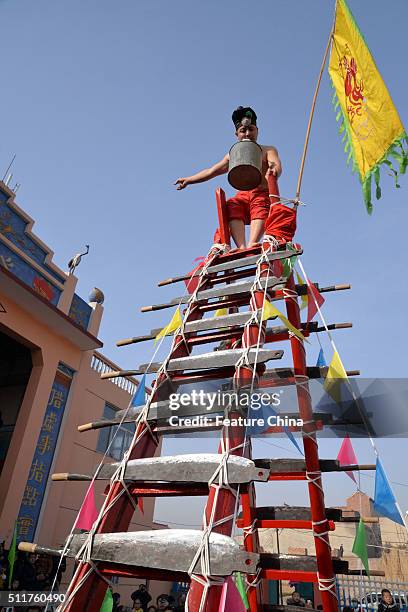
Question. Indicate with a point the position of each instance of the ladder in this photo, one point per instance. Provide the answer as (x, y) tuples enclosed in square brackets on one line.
[(232, 280)]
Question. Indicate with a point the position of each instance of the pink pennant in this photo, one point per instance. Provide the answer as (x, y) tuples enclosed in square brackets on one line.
[(140, 504), (88, 512), (231, 600), (311, 302), (192, 281), (347, 455), (223, 596)]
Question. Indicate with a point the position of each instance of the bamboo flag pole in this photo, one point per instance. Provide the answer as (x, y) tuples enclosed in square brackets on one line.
[(309, 125)]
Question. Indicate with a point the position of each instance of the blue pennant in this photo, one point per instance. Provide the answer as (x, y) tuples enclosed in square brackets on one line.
[(321, 361), (263, 412), (139, 396), (384, 499)]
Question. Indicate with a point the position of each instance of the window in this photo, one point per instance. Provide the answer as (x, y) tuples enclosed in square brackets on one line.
[(121, 441)]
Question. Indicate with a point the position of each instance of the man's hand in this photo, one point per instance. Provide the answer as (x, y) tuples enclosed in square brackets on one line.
[(274, 168), (182, 183)]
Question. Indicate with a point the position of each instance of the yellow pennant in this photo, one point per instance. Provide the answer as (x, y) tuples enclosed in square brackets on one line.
[(172, 327), (303, 298), (372, 130), (221, 312), (270, 311), (335, 374)]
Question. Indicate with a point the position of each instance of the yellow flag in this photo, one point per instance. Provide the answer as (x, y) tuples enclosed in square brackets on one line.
[(370, 124), (221, 312), (335, 374), (303, 298), (173, 326), (270, 311)]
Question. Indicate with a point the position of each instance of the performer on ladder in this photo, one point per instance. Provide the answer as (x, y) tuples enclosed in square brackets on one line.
[(246, 207)]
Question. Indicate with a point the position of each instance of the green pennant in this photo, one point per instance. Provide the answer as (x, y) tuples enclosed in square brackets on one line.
[(360, 545), (289, 262), (239, 581), (12, 555), (107, 604)]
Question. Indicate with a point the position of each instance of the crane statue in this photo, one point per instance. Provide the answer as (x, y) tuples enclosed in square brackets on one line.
[(76, 260)]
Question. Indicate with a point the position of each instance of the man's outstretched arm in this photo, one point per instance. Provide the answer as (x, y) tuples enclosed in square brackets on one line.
[(220, 167)]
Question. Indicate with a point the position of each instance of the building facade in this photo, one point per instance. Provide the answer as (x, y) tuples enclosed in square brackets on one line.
[(50, 383)]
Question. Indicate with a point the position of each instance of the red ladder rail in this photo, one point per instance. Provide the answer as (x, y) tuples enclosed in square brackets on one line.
[(222, 217), (326, 578)]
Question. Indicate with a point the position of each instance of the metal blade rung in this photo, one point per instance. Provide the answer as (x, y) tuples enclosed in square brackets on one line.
[(187, 468), (215, 359), (250, 261), (168, 549), (233, 289)]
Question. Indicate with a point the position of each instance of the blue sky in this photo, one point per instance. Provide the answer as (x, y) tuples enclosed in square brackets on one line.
[(107, 103)]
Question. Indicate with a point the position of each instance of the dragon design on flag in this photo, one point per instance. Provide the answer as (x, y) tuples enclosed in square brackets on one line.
[(353, 87)]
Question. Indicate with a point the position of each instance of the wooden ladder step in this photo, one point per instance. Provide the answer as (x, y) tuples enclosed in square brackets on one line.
[(297, 563), (295, 469), (266, 514)]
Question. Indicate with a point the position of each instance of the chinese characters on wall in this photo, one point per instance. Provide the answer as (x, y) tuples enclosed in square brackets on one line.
[(43, 456)]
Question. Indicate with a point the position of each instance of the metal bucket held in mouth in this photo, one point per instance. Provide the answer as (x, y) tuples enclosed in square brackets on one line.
[(245, 165)]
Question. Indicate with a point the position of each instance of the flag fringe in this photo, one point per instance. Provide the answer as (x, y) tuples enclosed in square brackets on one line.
[(397, 151), (400, 156)]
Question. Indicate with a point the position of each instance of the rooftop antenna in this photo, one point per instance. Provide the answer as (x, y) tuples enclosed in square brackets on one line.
[(16, 187), (9, 166), (8, 179)]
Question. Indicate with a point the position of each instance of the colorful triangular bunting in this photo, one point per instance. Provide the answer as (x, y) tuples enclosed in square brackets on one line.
[(139, 397), (314, 297), (221, 312), (335, 374), (88, 512), (384, 498), (107, 604), (263, 413), (303, 298), (270, 311), (321, 361), (231, 600), (11, 557), (239, 581), (347, 455), (360, 545), (175, 324)]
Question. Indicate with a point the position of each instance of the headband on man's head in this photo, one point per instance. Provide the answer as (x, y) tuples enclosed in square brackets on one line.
[(243, 116)]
